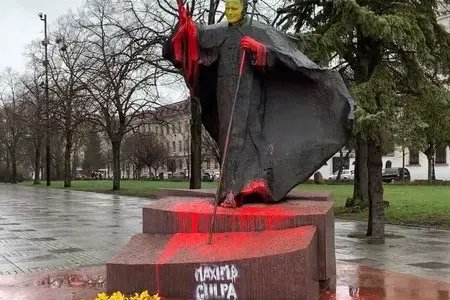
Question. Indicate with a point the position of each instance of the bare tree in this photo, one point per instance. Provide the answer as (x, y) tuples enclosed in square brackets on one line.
[(12, 130), (146, 149), (66, 69), (210, 145), (119, 78), (33, 114)]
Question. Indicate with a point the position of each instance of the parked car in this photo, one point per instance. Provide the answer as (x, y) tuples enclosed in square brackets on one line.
[(80, 176), (395, 174), (346, 174), (176, 176), (207, 177)]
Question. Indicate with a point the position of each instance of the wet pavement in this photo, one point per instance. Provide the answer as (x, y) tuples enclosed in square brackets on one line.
[(47, 229), (52, 230)]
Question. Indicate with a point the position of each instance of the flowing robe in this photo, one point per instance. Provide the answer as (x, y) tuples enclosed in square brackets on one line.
[(289, 117)]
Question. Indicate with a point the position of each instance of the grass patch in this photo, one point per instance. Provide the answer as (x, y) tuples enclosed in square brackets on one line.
[(408, 204), (135, 188)]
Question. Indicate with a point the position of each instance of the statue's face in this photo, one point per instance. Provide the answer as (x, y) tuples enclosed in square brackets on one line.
[(233, 10)]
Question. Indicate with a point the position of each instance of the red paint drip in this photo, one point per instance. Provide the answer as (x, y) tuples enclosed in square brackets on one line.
[(176, 243)]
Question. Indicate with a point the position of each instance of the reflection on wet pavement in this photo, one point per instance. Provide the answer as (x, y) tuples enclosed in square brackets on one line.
[(356, 282), (47, 229)]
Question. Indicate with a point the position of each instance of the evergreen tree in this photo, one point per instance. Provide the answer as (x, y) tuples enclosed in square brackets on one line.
[(93, 157), (391, 54)]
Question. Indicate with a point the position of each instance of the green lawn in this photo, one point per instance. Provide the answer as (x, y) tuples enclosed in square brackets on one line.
[(411, 205)]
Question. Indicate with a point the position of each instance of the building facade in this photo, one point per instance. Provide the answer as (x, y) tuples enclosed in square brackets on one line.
[(171, 125), (415, 162)]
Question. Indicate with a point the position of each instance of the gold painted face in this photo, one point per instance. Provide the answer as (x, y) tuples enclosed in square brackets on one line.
[(233, 10)]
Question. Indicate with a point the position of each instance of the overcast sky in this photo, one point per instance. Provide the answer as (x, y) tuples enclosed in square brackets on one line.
[(20, 24)]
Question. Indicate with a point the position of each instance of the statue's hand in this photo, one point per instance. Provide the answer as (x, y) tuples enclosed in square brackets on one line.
[(257, 48)]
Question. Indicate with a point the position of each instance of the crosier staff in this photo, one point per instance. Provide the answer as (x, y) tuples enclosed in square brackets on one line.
[(227, 137)]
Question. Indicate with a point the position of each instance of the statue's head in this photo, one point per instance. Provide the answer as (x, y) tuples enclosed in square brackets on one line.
[(235, 11)]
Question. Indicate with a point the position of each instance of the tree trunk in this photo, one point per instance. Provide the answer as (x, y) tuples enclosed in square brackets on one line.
[(67, 154), (116, 164), (430, 157), (37, 161), (74, 159), (361, 181), (430, 168), (196, 146), (13, 165), (7, 166), (341, 165), (403, 164), (375, 227)]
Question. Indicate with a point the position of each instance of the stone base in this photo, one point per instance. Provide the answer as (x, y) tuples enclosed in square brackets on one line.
[(277, 251), (192, 214), (240, 265)]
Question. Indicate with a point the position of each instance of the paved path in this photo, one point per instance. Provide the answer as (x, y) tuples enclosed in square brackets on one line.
[(46, 229)]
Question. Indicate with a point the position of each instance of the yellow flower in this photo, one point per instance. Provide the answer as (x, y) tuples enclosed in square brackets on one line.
[(119, 296), (102, 296)]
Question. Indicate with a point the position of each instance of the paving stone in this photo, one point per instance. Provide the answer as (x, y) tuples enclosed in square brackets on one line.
[(431, 265), (66, 250), (43, 239)]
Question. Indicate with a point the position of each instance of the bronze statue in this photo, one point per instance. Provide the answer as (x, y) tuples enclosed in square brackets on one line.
[(290, 115)]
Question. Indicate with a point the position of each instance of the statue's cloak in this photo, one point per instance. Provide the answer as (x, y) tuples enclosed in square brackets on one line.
[(289, 118)]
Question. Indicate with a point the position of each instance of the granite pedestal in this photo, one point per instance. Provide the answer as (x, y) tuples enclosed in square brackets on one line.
[(279, 251)]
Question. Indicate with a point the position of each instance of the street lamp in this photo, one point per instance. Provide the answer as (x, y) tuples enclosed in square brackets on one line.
[(45, 42)]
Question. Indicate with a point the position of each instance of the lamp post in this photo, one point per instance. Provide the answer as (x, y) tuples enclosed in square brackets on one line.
[(45, 42)]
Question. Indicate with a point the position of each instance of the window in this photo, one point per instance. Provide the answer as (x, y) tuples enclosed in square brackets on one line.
[(208, 163), (441, 155), (388, 164), (180, 164), (186, 146), (168, 146), (174, 146), (413, 157), (180, 146), (216, 164), (337, 162), (179, 127)]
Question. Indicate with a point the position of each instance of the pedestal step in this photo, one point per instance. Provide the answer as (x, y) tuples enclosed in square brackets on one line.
[(192, 214), (281, 264)]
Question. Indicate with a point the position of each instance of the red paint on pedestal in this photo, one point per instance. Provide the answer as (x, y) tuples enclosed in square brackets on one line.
[(272, 216)]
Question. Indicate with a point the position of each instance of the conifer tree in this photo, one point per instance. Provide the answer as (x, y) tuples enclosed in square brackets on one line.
[(393, 55)]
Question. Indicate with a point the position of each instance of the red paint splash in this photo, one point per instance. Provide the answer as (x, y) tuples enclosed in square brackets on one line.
[(195, 216), (174, 245), (257, 187)]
